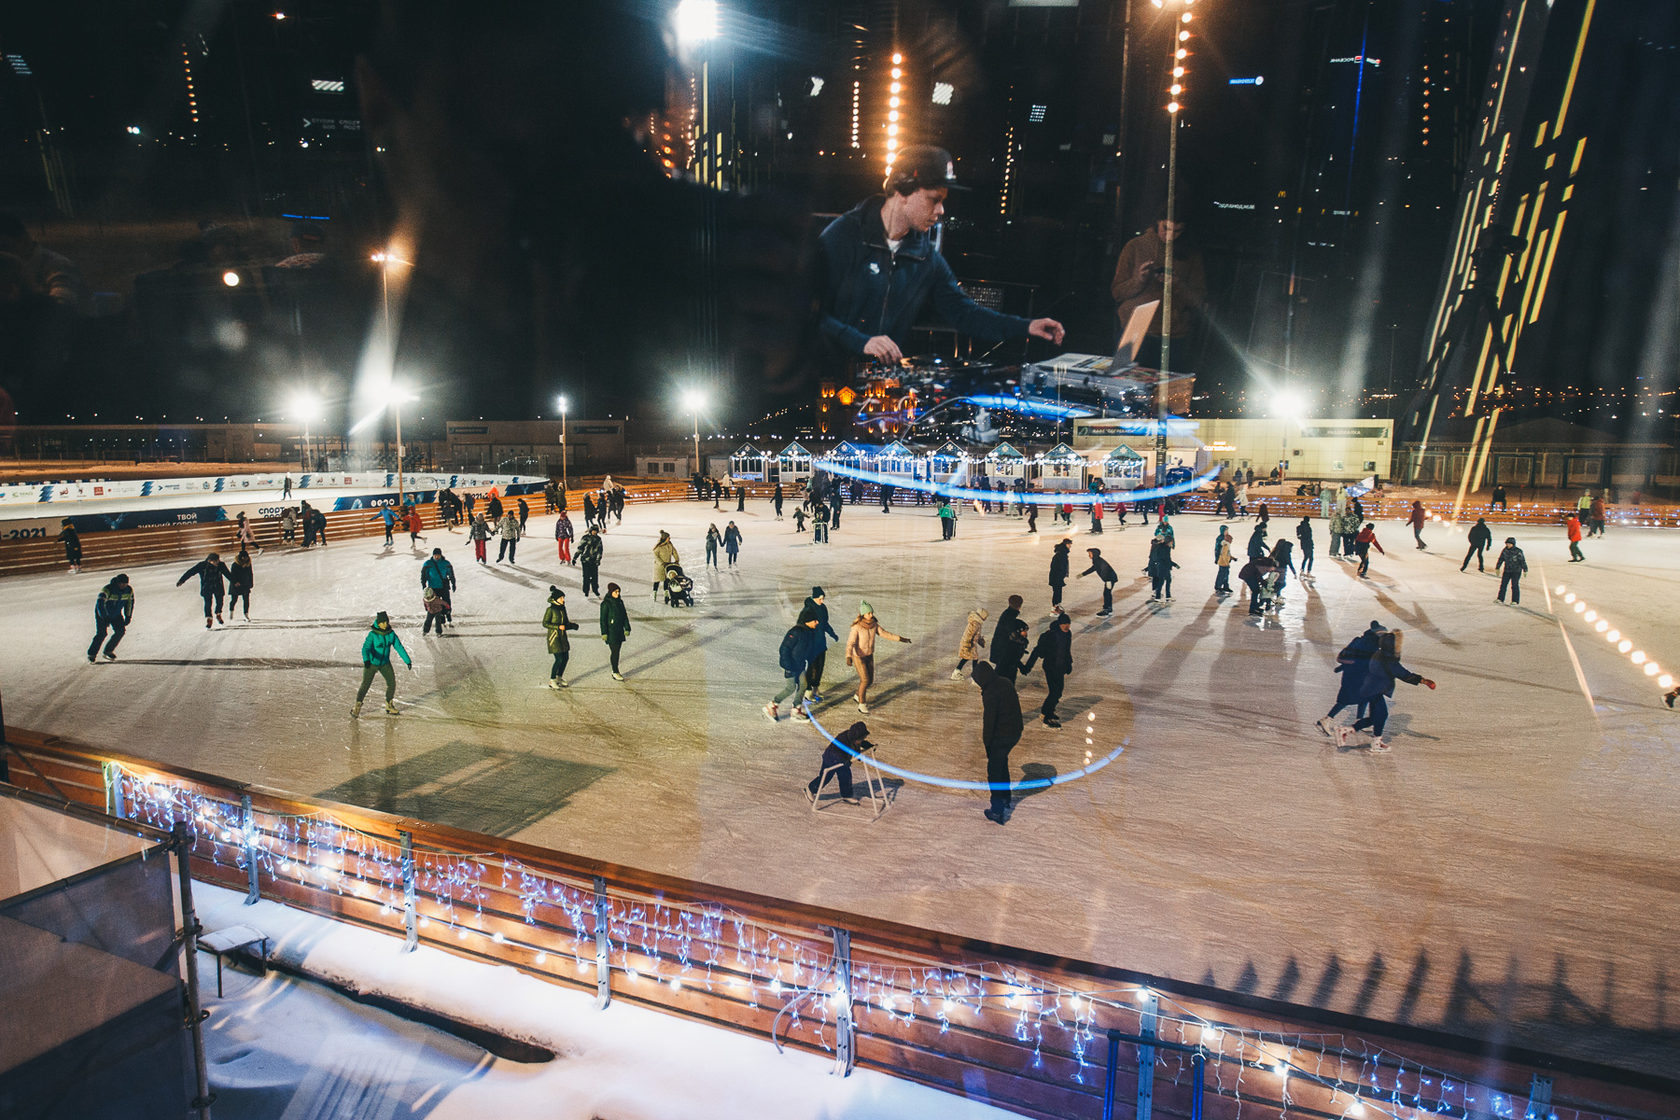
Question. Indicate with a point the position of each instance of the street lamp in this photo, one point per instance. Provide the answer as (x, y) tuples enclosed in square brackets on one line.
[(1288, 406), (306, 406), (564, 475), (693, 400)]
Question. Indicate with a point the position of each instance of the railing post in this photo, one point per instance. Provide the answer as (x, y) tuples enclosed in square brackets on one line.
[(114, 804), (1539, 1098), (190, 929), (603, 969), (253, 890), (411, 919), (1109, 1073), (1198, 1070), (845, 1036), (1150, 1016)]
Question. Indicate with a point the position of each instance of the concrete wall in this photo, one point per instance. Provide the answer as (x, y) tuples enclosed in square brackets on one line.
[(1311, 448)]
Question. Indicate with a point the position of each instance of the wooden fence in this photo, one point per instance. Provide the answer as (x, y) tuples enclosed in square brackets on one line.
[(1037, 1035)]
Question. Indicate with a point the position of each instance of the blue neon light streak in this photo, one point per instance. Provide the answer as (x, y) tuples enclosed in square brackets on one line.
[(964, 783)]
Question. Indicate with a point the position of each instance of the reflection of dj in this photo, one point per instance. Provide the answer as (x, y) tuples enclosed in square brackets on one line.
[(1140, 275), (880, 268)]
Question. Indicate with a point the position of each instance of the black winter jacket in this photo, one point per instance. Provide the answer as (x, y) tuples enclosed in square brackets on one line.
[(1000, 718)]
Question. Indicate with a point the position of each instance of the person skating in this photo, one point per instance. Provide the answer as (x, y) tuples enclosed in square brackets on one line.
[(1497, 498), (839, 756), (1283, 559), (1511, 565), (838, 499), (1363, 544), (479, 533), (1481, 539), (439, 575), (556, 622), (318, 521), (713, 539), (731, 542), (389, 517), (1351, 664), (1416, 520), (1011, 611), (615, 625), (799, 520), (415, 524), (211, 573), (435, 610), (1104, 572), (1222, 561), (968, 649), (1304, 534), (1253, 574), (1257, 542), (1059, 571), (1595, 517), (241, 578), (860, 650), (563, 537), (1000, 730), (286, 489), (819, 522), (664, 555), (947, 519), (590, 549), (495, 507), (245, 535), (1032, 516), (510, 533), (1160, 567), (776, 500), (1009, 646), (1573, 530), (288, 526), (1054, 651), (794, 655), (825, 634), (1096, 513), (524, 515), (1382, 671), (113, 611), (589, 515), (376, 658)]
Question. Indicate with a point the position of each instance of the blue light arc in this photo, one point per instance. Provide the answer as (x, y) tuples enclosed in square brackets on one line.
[(964, 783)]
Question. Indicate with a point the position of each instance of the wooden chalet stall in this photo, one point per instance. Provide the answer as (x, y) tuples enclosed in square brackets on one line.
[(749, 464), (1061, 469), (793, 464), (1122, 469), (949, 463), (1004, 465)]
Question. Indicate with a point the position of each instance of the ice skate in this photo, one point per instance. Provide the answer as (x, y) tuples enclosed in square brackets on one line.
[(108, 656), (91, 660), (862, 707), (554, 683), (1326, 726), (800, 716), (995, 816), (771, 712), (219, 621), (391, 709), (1343, 736), (356, 709), (1380, 747), (618, 676), (956, 674)]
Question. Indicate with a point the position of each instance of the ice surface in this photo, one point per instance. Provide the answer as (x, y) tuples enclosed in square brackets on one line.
[(1512, 860), (280, 1049)]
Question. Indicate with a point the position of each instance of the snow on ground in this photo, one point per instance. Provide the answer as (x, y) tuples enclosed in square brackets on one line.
[(280, 1048), (1512, 859)]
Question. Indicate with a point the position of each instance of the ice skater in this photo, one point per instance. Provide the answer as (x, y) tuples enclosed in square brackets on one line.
[(478, 533), (1416, 520), (1055, 651), (1160, 566), (1222, 561), (732, 542), (1511, 565), (1481, 539), (556, 622), (969, 647), (776, 501), (1351, 664), (1000, 730), (794, 656), (389, 516), (1304, 534), (825, 634), (664, 555), (1059, 571), (245, 536), (509, 532), (837, 757), (113, 611), (1573, 529), (415, 524), (1009, 646), (72, 542), (615, 625), (241, 578), (563, 536), (1103, 571), (438, 576), (590, 549), (1381, 672), (860, 650), (376, 658), (1363, 544), (211, 573), (713, 539)]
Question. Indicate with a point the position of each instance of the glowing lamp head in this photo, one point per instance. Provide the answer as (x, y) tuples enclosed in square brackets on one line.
[(696, 21), (693, 400), (230, 278)]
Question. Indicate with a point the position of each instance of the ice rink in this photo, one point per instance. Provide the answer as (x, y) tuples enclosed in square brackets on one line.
[(1510, 869)]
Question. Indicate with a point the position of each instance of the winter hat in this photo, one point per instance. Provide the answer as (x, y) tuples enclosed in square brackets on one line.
[(981, 611), (382, 619), (864, 607), (611, 587), (1061, 619), (430, 594), (816, 593), (807, 614), (437, 552), (120, 577), (1510, 540), (1015, 602), (1375, 625), (555, 592)]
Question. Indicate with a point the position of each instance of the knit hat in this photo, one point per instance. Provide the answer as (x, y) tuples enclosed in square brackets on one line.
[(1015, 602), (555, 593), (1510, 540), (807, 614), (382, 619), (429, 594), (864, 607), (816, 593)]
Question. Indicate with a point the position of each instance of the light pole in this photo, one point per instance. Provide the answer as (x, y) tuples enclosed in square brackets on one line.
[(564, 474), (1175, 88), (1290, 407), (693, 401), (306, 406), (396, 399)]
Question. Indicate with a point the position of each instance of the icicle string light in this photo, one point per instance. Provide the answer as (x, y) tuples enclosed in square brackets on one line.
[(483, 899)]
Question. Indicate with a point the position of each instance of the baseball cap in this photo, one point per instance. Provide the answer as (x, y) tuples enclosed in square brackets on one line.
[(923, 166)]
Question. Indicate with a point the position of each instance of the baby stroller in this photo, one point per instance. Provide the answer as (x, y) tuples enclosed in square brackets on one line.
[(679, 589), (1268, 598)]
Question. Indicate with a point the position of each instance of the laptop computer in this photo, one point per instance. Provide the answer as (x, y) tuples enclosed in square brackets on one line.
[(1131, 339)]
